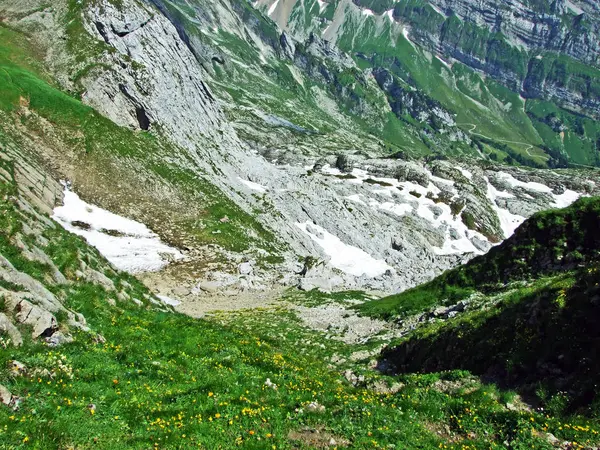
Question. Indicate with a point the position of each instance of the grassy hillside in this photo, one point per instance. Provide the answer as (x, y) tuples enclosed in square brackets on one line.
[(549, 242), (541, 339), (92, 148), (146, 378), (524, 315)]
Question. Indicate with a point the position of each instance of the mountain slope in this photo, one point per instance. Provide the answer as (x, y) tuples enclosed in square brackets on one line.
[(223, 162), (524, 315), (205, 133), (135, 374), (489, 64)]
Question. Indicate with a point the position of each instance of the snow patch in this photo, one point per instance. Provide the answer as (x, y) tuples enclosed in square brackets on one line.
[(273, 8), (253, 186), (406, 197), (168, 300), (129, 245), (465, 172), (390, 15), (509, 222), (531, 185), (322, 6), (367, 12), (565, 199), (346, 258)]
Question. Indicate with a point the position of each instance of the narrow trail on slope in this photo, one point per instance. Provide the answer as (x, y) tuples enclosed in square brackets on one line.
[(528, 147)]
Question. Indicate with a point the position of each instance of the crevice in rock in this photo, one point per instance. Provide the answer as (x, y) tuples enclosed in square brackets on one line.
[(102, 30), (125, 33), (142, 118), (207, 92), (48, 332), (140, 111)]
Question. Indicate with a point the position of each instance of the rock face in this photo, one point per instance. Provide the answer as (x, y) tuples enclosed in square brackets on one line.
[(558, 26), (516, 43), (367, 222), (139, 98), (538, 49)]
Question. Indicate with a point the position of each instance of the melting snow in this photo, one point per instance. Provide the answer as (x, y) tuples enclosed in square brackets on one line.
[(465, 172), (509, 222), (565, 199), (168, 300), (400, 199), (254, 186), (344, 257), (367, 12), (273, 7), (531, 186), (403, 202), (560, 200), (127, 244)]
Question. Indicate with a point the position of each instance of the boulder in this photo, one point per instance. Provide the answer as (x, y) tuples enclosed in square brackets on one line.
[(57, 339), (7, 327), (245, 268), (5, 395), (43, 322)]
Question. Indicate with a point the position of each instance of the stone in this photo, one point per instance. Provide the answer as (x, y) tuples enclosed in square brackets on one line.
[(308, 284), (245, 268), (5, 395), (43, 322), (57, 339), (93, 276), (7, 327), (17, 368), (209, 287)]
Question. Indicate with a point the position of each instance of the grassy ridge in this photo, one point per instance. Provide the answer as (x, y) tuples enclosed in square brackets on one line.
[(554, 240), (541, 339), (531, 323)]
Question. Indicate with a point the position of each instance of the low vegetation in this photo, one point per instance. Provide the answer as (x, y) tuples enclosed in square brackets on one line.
[(556, 240)]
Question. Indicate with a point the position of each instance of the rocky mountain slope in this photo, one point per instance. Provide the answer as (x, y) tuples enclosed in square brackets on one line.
[(272, 210), (159, 157), (536, 60)]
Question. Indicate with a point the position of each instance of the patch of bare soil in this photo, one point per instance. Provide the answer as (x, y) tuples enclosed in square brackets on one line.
[(317, 438)]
